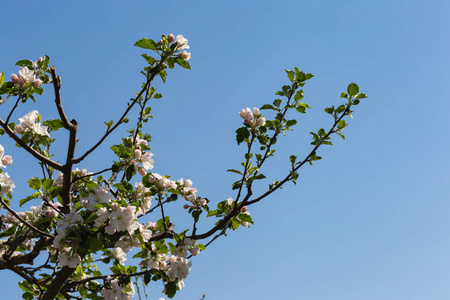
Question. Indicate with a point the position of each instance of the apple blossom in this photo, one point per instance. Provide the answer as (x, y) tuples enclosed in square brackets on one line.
[(185, 55), (170, 38), (37, 82), (6, 183), (147, 160), (26, 75), (182, 42), (261, 121), (246, 114), (4, 160)]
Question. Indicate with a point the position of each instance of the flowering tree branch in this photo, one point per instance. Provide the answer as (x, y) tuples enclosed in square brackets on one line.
[(82, 221)]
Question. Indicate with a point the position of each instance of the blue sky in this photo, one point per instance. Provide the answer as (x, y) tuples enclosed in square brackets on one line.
[(369, 221)]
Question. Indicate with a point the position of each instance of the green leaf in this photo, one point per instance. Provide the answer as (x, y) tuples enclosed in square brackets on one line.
[(54, 125), (149, 59), (291, 123), (299, 95), (183, 63), (35, 183), (245, 218), (146, 44), (341, 124), (329, 110), (361, 96), (130, 172), (234, 171), (352, 89), (94, 244), (242, 133), (290, 75), (2, 78), (344, 95), (267, 106), (25, 63), (91, 218), (157, 96), (29, 198)]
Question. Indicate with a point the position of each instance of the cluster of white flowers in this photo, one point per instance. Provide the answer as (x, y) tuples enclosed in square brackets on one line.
[(27, 75), (182, 43), (6, 183), (252, 117), (116, 292), (30, 123)]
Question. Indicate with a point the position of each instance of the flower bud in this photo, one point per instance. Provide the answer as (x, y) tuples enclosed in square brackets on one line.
[(170, 38), (137, 154), (185, 206), (37, 82), (185, 55), (188, 183), (244, 208), (114, 205), (246, 114), (7, 160), (194, 251), (14, 78), (261, 121), (142, 172), (255, 111)]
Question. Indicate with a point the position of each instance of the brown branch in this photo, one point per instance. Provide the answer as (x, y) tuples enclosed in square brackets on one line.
[(23, 221), (130, 106), (67, 125), (12, 110), (58, 282), (72, 128), (29, 258)]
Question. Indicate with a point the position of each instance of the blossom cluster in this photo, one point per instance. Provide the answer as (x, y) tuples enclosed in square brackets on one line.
[(29, 123), (252, 117), (181, 44), (26, 75), (6, 182)]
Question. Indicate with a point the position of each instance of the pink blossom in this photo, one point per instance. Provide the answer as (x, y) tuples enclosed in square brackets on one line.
[(185, 55), (142, 171), (37, 82), (255, 111), (261, 121), (170, 38), (246, 114)]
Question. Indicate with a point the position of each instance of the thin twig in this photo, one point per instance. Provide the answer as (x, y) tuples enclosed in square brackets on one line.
[(23, 221)]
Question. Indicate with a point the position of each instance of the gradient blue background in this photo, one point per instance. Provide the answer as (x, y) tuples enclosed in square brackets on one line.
[(369, 221)]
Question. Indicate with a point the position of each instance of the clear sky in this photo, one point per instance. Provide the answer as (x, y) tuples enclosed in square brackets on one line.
[(370, 221)]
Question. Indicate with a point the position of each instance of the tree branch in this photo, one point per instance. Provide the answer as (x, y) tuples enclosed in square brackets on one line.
[(23, 221)]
